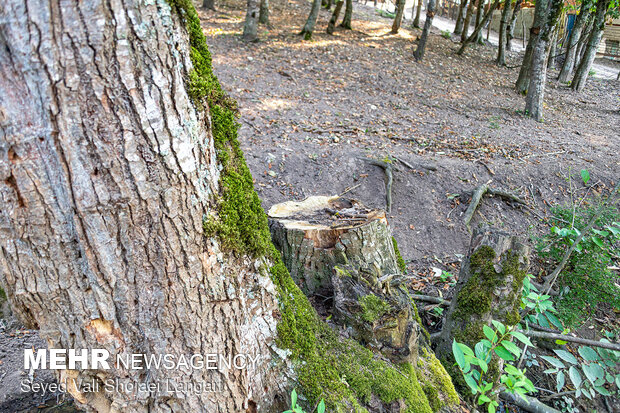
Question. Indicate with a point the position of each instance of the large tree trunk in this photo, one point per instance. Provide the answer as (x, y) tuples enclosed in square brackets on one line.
[(489, 288), (398, 18), (308, 28), (430, 14), (575, 36), (348, 15), (107, 172), (418, 12), (332, 22), (501, 53), (510, 31), (458, 27), (549, 11), (583, 70), (250, 26), (523, 80)]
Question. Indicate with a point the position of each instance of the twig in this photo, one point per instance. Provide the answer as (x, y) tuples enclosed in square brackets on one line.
[(430, 299), (350, 189), (505, 195), (556, 395), (527, 403), (408, 165), (486, 166), (578, 340), (475, 200), (554, 275)]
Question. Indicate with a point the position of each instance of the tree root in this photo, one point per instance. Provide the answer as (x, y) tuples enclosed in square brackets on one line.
[(430, 299), (477, 195), (387, 168), (527, 403)]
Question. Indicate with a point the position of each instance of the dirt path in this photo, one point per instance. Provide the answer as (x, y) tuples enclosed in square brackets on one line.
[(310, 110)]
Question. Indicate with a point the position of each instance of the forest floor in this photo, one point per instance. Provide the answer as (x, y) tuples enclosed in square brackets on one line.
[(310, 110)]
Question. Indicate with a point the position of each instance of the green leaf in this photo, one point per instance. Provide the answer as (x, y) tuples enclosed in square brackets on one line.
[(585, 176), (503, 353), (593, 371), (588, 353), (321, 407), (598, 242), (483, 399), (560, 381), (566, 356), (554, 320), (512, 347), (554, 362), (293, 398), (575, 377), (499, 326), (491, 408), (522, 338), (602, 390), (458, 354), (489, 333), (471, 383)]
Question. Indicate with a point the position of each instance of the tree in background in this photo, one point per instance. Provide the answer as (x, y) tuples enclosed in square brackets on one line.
[(583, 70), (251, 21), (474, 36), (430, 14), (418, 12), (332, 22), (467, 20), (308, 28), (503, 30), (208, 4), (398, 17), (263, 17), (573, 40), (547, 12), (458, 27), (348, 15), (510, 30)]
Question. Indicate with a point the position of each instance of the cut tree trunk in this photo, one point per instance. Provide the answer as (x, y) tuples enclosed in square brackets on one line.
[(308, 28), (573, 41), (321, 232), (398, 17), (348, 15), (503, 31), (250, 26), (583, 70), (332, 22), (418, 12), (458, 27), (107, 170), (489, 288), (430, 14), (510, 31)]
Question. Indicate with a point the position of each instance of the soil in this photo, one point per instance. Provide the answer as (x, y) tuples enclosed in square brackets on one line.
[(311, 111)]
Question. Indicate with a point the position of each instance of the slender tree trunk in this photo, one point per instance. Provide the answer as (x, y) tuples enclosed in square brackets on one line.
[(263, 17), (348, 15), (467, 21), (458, 27), (552, 49), (501, 55), (479, 13), (108, 169), (510, 31), (523, 80), (208, 4), (398, 18), (334, 19), (549, 11), (418, 12), (251, 20), (308, 28), (583, 70), (430, 14), (478, 29), (573, 41)]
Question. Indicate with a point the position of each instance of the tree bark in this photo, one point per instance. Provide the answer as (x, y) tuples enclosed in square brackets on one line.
[(501, 54), (467, 20), (308, 28), (478, 29), (583, 70), (208, 4), (418, 12), (489, 288), (430, 14), (263, 17), (510, 31), (523, 80), (398, 18), (107, 171), (332, 22), (479, 13), (575, 36), (549, 11), (458, 27), (250, 26), (348, 15)]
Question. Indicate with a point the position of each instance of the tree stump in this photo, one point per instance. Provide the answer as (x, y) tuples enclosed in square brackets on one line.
[(321, 232), (489, 288)]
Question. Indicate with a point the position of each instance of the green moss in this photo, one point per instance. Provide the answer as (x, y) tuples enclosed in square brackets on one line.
[(399, 258), (373, 307), (339, 371), (436, 382)]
